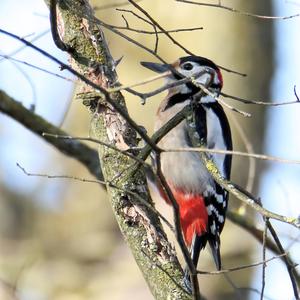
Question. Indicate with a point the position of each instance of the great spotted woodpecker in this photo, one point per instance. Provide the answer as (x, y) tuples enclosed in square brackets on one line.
[(202, 201)]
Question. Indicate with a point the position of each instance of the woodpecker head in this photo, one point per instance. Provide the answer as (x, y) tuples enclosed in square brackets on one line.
[(203, 70)]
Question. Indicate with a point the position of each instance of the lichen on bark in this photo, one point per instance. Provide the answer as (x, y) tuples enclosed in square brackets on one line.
[(139, 224)]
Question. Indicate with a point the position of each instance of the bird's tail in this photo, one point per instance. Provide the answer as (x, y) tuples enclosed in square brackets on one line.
[(215, 249)]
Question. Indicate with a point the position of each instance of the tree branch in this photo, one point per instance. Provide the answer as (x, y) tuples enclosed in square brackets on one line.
[(111, 124), (72, 148), (233, 10), (245, 198)]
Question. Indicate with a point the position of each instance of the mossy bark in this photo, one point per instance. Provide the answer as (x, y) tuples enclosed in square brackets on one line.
[(139, 224)]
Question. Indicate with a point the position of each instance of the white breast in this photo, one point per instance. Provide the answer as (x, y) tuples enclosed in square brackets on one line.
[(184, 170)]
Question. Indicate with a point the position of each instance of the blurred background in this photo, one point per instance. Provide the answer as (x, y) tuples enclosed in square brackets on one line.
[(58, 238)]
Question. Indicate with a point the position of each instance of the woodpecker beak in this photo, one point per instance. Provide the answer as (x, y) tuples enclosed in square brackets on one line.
[(158, 68)]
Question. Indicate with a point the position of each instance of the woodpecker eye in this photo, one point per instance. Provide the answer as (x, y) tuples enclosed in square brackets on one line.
[(188, 66)]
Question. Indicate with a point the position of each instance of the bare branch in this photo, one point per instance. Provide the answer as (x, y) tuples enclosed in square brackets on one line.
[(151, 79), (38, 125), (257, 233), (135, 15), (231, 9), (239, 268), (109, 27), (296, 95), (35, 67), (153, 32), (208, 92), (241, 194), (28, 79), (246, 101), (264, 265), (238, 153), (113, 5), (98, 88), (171, 38), (145, 96), (40, 35), (101, 182), (294, 276), (154, 22)]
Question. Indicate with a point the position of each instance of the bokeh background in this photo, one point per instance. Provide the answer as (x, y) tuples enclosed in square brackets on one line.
[(58, 238)]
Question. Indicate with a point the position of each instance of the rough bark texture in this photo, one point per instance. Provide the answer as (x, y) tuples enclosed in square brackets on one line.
[(140, 226)]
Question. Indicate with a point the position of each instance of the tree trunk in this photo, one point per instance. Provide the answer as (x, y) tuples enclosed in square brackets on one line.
[(139, 224)]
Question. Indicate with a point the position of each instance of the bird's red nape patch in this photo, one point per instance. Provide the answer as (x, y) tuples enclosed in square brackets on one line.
[(220, 77), (193, 214)]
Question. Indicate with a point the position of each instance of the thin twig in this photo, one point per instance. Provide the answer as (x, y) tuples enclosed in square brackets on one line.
[(59, 176), (257, 233), (264, 265), (159, 134), (35, 67), (126, 22), (28, 79), (238, 153), (126, 153), (157, 32), (170, 37), (208, 92), (160, 27), (127, 27), (289, 265), (295, 93), (14, 52), (231, 9), (106, 183), (143, 82), (239, 268), (243, 195), (294, 276), (89, 139), (258, 102), (113, 5), (147, 22), (129, 39), (145, 96), (74, 149), (98, 88), (135, 15)]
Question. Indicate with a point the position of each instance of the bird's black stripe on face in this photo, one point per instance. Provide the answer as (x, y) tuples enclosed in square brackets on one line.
[(190, 85), (177, 98)]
